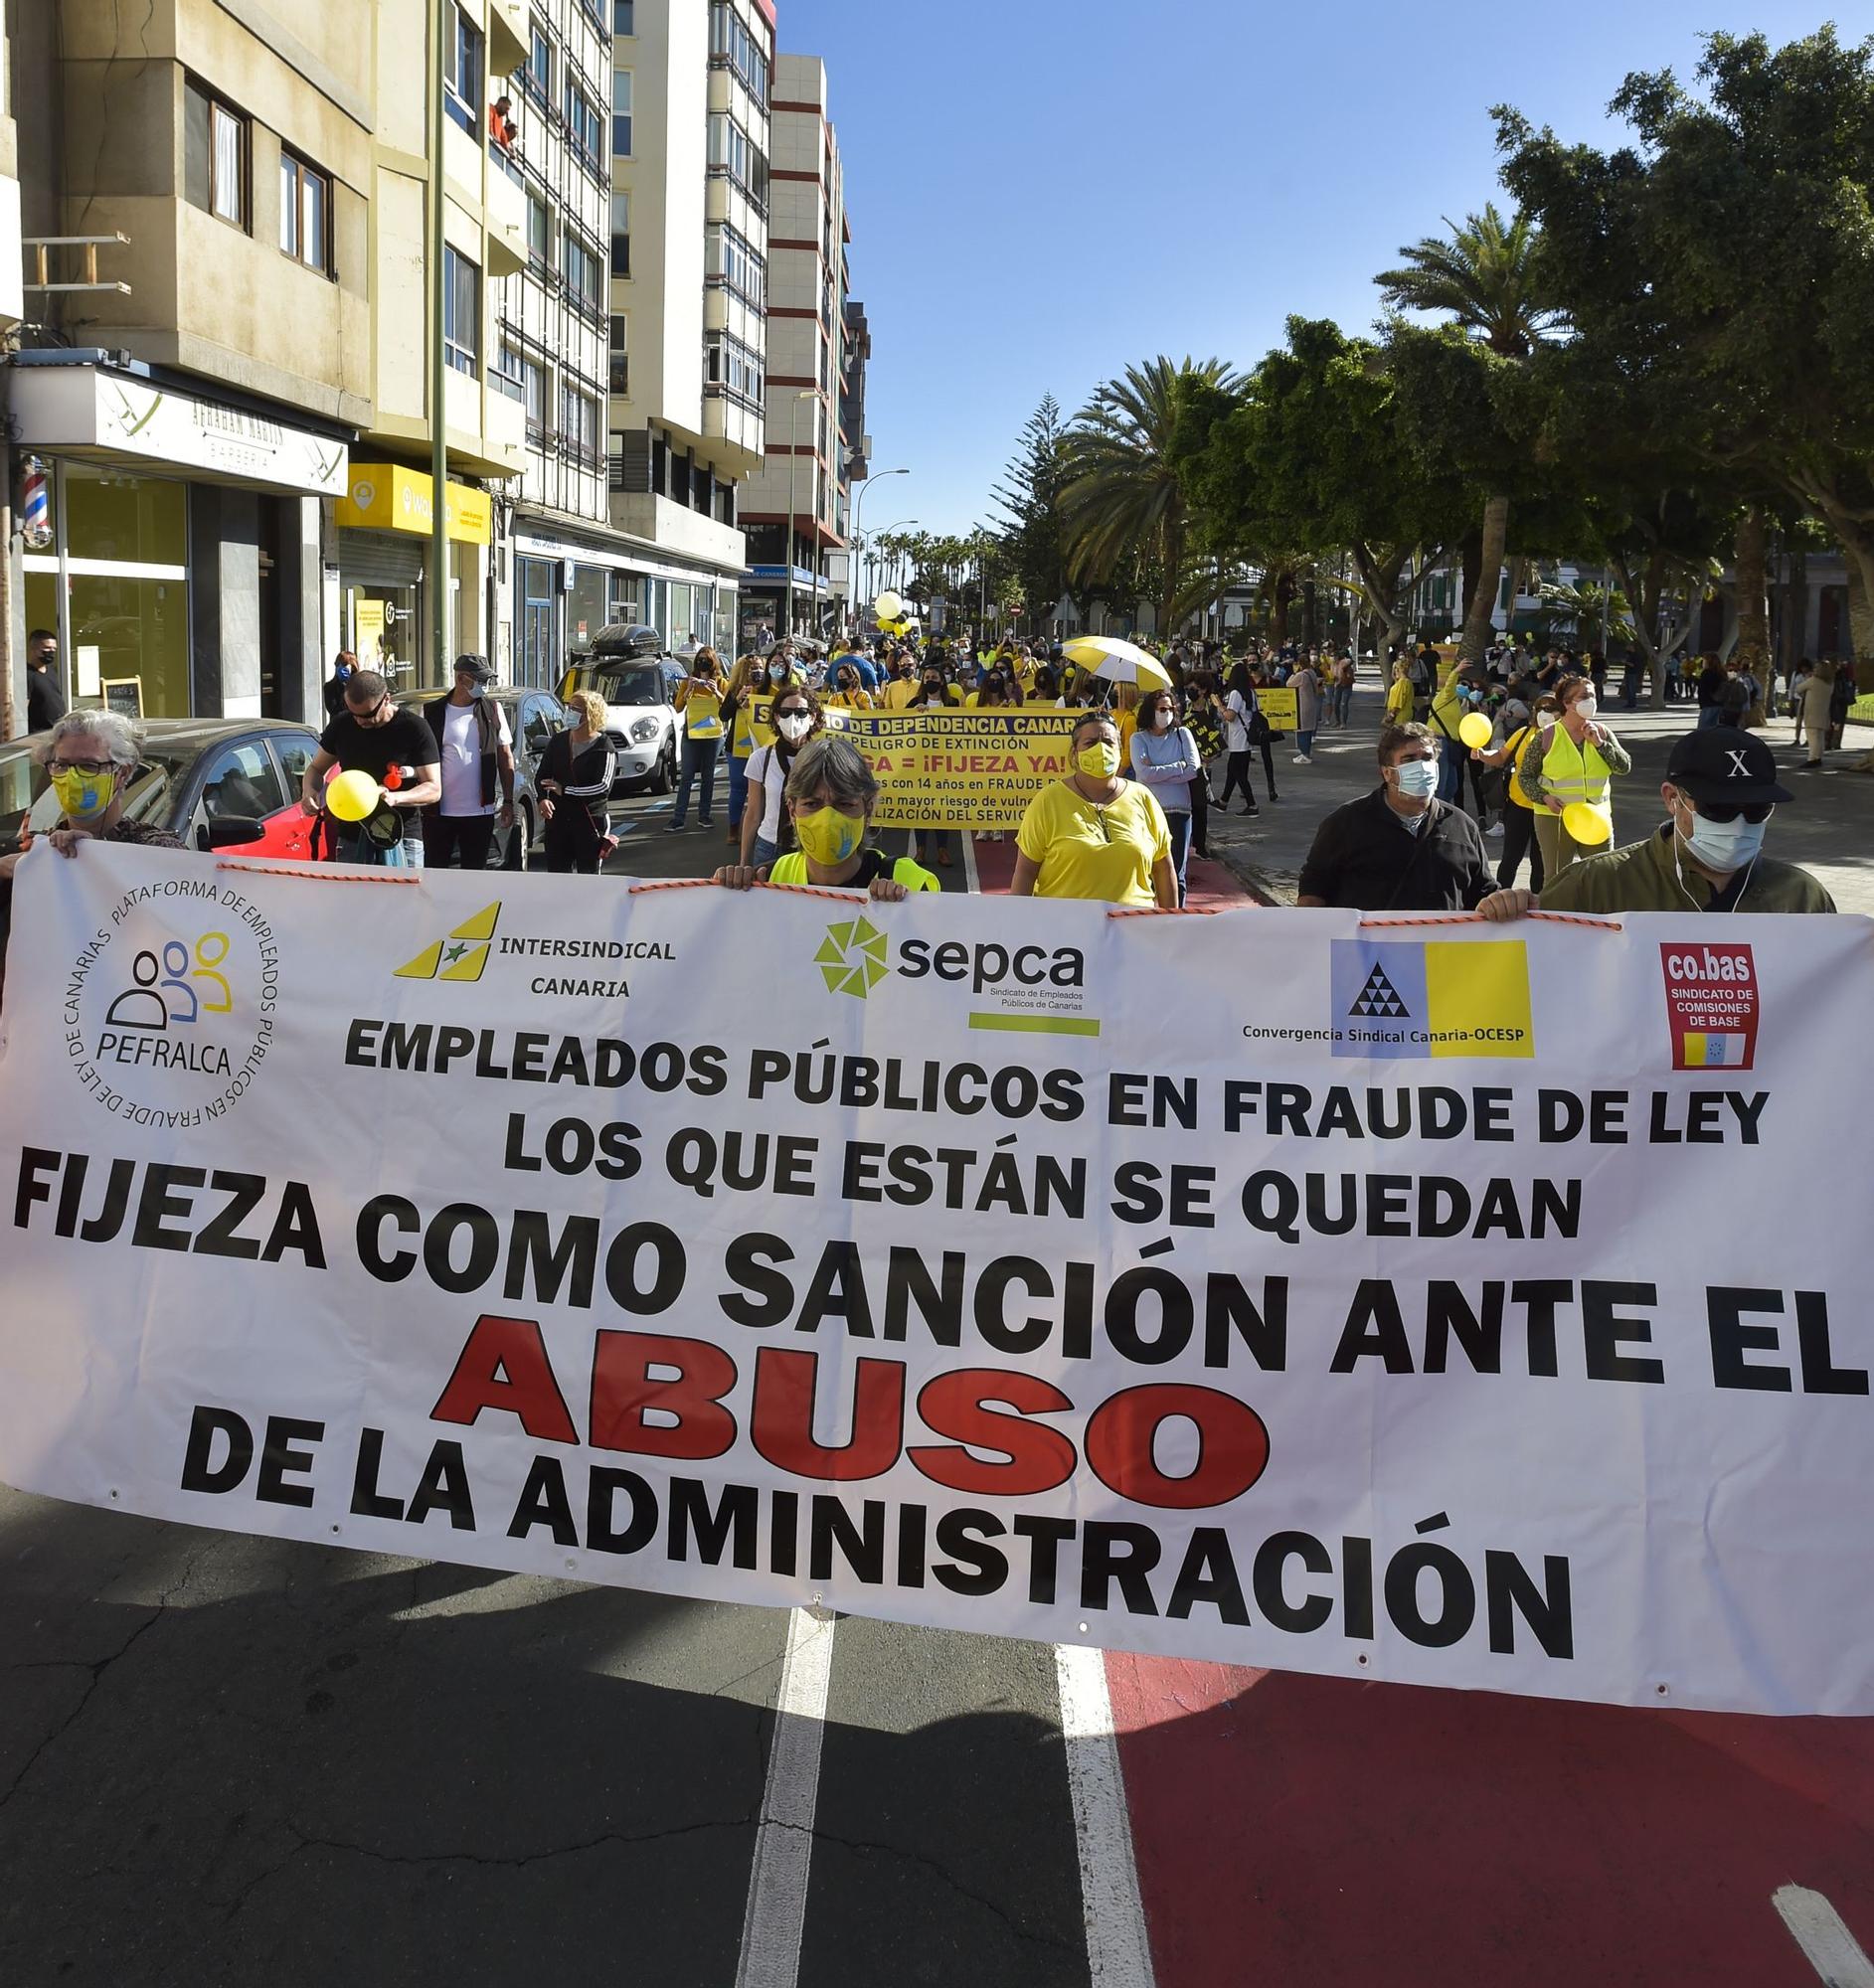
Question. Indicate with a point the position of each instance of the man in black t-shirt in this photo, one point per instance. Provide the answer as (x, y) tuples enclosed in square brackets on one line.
[(371, 736)]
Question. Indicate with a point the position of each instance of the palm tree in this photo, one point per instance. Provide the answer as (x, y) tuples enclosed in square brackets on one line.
[(1121, 496), (1488, 278)]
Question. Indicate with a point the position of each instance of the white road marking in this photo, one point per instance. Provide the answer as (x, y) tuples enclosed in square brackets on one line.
[(1119, 1953), (971, 882), (1828, 1946), (777, 1913)]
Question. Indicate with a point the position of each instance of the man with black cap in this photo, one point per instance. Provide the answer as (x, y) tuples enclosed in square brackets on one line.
[(1720, 790), (473, 746)]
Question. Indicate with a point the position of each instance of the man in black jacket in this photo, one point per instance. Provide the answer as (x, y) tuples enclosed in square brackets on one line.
[(1398, 849), (473, 746), (44, 694)]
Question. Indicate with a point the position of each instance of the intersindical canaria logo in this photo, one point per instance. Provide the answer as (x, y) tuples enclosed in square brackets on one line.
[(461, 956), (854, 958)]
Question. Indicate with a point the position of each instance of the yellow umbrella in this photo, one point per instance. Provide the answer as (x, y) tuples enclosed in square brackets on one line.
[(1113, 661)]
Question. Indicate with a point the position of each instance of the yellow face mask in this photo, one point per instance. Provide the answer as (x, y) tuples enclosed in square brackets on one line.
[(1098, 761), (827, 836)]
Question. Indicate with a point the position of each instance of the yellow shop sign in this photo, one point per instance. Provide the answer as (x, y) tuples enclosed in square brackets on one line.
[(387, 497)]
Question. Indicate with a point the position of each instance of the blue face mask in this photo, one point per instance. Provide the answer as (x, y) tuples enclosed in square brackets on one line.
[(1417, 779), (777, 672)]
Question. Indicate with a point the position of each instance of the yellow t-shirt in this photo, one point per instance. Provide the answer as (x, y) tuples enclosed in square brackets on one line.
[(848, 700), (792, 869), (1085, 851), (1399, 702), (901, 693)]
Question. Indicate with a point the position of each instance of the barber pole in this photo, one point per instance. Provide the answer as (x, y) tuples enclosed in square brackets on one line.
[(35, 504)]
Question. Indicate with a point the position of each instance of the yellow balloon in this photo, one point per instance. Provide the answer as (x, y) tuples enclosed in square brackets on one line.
[(352, 796), (1586, 825), (1475, 730), (888, 606)]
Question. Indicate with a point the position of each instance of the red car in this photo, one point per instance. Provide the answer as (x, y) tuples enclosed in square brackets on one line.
[(202, 778)]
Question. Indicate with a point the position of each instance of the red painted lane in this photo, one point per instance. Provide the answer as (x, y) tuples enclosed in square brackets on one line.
[(1297, 1831), (1210, 886)]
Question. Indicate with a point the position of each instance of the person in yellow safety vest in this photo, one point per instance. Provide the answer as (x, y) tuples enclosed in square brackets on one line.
[(1520, 732), (699, 703), (747, 682), (829, 795), (1572, 762)]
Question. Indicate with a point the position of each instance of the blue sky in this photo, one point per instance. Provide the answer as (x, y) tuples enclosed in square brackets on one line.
[(1043, 191)]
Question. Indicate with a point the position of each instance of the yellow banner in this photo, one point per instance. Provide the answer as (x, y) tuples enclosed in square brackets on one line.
[(387, 497), (954, 768)]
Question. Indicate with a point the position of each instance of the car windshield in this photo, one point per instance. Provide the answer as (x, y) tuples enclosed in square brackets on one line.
[(27, 799), (622, 683)]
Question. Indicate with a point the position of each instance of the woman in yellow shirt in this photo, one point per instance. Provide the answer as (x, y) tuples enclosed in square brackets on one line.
[(699, 704), (1094, 835), (1399, 695), (847, 692)]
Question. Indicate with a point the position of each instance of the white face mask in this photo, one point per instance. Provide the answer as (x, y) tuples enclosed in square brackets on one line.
[(1162, 721), (1724, 845), (1586, 706), (1416, 779), (794, 724)]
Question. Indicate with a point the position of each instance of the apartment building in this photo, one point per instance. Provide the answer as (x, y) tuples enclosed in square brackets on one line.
[(793, 511), (191, 376), (421, 60), (560, 552), (690, 192)]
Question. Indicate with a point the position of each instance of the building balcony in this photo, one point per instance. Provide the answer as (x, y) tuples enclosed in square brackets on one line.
[(505, 211), (507, 36), (674, 528)]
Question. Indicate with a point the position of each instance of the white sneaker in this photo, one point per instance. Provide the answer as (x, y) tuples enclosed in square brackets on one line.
[(1303, 759), (1495, 828)]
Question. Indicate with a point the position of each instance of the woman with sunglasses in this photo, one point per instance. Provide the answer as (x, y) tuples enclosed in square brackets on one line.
[(795, 716), (1094, 835)]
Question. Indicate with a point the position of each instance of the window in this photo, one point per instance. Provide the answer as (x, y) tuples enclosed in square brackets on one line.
[(620, 355), (241, 782), (734, 368), (461, 311), (462, 100), (537, 77), (733, 151), (732, 45), (539, 233), (621, 113), (731, 260), (582, 124), (508, 376), (306, 211), (625, 17), (584, 275), (578, 423), (620, 233), (215, 156)]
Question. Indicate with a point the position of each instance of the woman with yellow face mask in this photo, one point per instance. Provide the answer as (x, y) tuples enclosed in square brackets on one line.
[(830, 796), (1094, 835)]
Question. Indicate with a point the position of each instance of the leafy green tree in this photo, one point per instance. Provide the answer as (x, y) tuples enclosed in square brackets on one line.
[(1725, 259), (1026, 517), (1124, 496), (1489, 279)]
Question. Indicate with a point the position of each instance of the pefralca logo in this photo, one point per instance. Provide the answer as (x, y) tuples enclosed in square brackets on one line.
[(854, 958)]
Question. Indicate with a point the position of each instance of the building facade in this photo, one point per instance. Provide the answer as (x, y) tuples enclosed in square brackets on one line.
[(383, 587), (561, 556), (690, 191), (191, 374), (793, 511)]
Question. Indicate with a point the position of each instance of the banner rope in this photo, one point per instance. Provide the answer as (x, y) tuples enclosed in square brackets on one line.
[(1478, 919), (321, 873)]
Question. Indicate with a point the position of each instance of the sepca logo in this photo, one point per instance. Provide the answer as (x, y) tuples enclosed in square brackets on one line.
[(854, 958), (460, 956)]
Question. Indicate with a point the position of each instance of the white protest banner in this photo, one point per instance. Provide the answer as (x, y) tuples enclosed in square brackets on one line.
[(1403, 1302)]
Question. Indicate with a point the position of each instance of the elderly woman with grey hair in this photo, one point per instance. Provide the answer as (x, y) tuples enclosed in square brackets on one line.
[(91, 758), (830, 796)]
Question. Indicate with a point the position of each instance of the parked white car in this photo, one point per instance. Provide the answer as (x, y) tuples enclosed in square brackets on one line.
[(627, 668)]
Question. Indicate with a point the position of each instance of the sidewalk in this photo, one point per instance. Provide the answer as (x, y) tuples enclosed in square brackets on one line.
[(1828, 828)]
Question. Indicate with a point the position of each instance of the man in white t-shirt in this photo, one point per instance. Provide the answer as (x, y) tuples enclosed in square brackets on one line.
[(473, 747)]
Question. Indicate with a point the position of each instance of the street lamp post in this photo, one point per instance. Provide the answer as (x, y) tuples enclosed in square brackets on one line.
[(858, 511), (794, 457)]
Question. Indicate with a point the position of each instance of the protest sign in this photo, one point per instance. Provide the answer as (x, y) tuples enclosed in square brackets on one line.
[(1279, 707), (1379, 1301), (954, 768)]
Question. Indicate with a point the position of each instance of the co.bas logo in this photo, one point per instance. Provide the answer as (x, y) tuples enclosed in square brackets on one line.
[(1040, 987)]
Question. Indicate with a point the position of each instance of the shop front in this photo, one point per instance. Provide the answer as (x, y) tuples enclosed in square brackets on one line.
[(179, 568), (384, 524)]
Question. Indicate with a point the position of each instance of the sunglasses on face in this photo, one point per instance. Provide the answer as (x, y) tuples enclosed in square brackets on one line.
[(1722, 812)]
